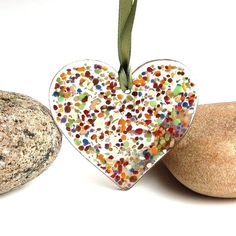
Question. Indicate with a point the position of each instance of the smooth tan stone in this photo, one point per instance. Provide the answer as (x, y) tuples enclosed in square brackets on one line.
[(29, 140), (205, 159)]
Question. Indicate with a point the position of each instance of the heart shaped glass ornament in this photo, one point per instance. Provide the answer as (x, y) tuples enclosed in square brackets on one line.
[(123, 134)]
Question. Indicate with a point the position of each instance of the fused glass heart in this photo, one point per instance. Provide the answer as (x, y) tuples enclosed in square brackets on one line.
[(123, 134)]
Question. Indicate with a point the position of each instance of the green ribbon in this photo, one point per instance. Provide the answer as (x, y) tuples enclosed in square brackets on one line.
[(127, 11)]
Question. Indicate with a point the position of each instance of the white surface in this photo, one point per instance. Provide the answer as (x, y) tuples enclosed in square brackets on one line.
[(72, 198)]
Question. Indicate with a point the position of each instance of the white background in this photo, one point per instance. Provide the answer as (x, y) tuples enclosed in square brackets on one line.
[(38, 37)]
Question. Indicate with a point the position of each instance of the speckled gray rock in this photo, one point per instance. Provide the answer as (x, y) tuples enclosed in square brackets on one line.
[(205, 159), (29, 140)]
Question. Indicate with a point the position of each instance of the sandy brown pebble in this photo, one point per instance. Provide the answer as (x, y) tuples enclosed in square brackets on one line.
[(29, 140), (205, 159)]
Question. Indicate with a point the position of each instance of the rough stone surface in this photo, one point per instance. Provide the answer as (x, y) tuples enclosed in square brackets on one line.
[(205, 159), (29, 140)]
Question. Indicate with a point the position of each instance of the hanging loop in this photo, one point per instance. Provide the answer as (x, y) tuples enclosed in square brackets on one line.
[(127, 11)]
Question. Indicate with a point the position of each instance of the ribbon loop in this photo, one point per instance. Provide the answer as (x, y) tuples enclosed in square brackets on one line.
[(127, 11)]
